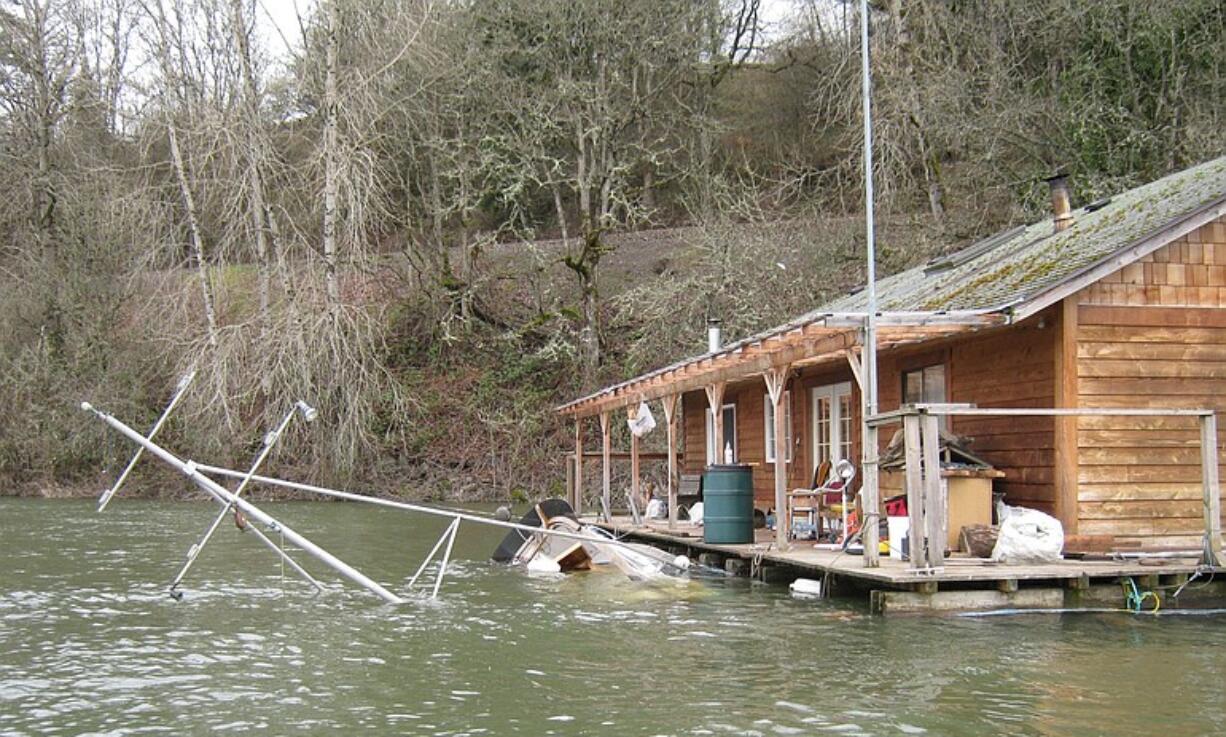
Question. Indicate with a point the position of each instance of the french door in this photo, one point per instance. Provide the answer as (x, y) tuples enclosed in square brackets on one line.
[(831, 412)]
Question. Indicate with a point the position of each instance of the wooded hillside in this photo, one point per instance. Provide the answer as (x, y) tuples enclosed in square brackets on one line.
[(436, 221)]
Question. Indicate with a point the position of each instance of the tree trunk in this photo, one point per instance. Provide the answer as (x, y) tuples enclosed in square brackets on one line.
[(255, 151), (331, 161), (193, 228), (173, 90)]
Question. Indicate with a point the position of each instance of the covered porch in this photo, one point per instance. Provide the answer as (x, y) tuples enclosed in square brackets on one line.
[(1000, 381), (825, 347)]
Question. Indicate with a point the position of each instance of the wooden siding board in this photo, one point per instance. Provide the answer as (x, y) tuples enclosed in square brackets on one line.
[(1162, 346), (1014, 368)]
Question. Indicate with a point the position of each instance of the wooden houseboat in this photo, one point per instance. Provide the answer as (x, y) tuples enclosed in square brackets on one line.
[(1118, 304)]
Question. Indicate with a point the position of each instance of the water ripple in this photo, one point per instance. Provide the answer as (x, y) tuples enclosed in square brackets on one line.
[(91, 644)]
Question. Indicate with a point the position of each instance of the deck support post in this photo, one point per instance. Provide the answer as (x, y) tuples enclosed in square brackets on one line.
[(870, 492), (635, 481), (1211, 489), (606, 448), (934, 514), (925, 506), (670, 416), (915, 491), (715, 400), (576, 501), (776, 385)]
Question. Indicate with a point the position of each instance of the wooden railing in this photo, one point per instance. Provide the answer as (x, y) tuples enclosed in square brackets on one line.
[(926, 509)]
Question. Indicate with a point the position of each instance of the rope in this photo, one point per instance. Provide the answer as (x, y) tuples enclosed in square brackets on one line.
[(1134, 598)]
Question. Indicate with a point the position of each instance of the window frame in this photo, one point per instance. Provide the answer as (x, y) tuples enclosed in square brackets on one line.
[(943, 420), (833, 393)]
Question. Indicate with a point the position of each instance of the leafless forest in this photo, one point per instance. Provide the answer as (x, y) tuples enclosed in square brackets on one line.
[(436, 220)]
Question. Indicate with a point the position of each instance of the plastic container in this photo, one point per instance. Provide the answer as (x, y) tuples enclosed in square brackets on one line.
[(727, 494), (898, 528)]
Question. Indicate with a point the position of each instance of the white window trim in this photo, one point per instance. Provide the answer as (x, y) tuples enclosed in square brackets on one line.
[(831, 392), (769, 423), (729, 435)]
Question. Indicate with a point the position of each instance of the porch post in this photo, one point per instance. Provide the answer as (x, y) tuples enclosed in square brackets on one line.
[(634, 462), (915, 491), (934, 508), (776, 383), (577, 500), (670, 413), (606, 449), (869, 496), (1212, 492), (715, 400)]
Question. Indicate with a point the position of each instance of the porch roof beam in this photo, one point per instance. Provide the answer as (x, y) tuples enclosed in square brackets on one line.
[(726, 367), (970, 410), (799, 343)]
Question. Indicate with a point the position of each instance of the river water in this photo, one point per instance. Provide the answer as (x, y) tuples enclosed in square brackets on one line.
[(90, 644)]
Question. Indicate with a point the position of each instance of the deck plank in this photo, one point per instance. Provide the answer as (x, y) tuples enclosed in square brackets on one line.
[(895, 573)]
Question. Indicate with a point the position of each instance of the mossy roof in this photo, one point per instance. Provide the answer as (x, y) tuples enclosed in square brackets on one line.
[(1009, 270), (1032, 259)]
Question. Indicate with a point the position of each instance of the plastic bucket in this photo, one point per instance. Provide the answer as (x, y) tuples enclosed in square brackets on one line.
[(898, 528), (727, 496)]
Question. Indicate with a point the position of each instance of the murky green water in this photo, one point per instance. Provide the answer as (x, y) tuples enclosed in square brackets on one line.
[(91, 644)]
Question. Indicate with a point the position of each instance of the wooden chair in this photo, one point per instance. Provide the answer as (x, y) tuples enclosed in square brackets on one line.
[(836, 502), (807, 501)]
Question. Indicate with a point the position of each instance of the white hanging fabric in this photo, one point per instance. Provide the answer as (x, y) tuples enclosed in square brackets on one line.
[(643, 421)]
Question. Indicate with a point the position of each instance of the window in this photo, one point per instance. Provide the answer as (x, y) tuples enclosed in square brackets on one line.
[(832, 417), (924, 385), (729, 411), (770, 427)]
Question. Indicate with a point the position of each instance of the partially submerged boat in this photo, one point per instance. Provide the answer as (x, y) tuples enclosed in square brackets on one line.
[(588, 547), (550, 538)]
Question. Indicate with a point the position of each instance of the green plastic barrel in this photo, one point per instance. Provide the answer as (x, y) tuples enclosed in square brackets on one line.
[(727, 504)]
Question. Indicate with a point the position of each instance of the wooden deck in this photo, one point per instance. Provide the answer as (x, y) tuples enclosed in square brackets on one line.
[(973, 583)]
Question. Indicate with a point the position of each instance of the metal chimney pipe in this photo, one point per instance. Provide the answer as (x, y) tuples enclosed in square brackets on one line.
[(715, 335), (1061, 209)]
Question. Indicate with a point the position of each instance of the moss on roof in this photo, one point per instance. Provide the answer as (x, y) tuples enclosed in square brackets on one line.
[(1035, 259)]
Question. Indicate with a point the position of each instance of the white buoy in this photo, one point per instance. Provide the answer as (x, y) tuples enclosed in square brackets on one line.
[(543, 565), (806, 588)]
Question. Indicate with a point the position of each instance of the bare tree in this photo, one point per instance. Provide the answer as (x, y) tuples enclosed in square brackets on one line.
[(174, 100), (39, 53)]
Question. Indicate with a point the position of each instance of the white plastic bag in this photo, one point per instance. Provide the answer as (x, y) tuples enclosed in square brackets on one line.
[(657, 509), (696, 513), (1027, 536), (643, 422)]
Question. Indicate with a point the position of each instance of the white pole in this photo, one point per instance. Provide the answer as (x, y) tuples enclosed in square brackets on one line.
[(869, 434), (406, 506), (190, 470), (442, 567), (271, 546), (194, 551), (285, 557), (180, 390), (430, 556)]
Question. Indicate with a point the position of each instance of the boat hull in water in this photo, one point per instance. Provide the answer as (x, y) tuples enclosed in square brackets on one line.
[(555, 553)]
